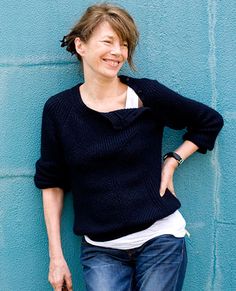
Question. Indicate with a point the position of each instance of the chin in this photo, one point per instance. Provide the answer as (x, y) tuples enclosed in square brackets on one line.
[(111, 71), (111, 75)]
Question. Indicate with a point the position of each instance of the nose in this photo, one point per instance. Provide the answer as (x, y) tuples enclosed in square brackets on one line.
[(116, 49)]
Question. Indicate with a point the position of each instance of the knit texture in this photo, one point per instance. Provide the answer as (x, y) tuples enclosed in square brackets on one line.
[(111, 162)]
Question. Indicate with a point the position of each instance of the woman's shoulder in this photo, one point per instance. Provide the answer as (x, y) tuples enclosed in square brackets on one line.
[(59, 105), (63, 98)]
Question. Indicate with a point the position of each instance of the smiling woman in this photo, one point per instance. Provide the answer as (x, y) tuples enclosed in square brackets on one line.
[(102, 140), (119, 19), (110, 54)]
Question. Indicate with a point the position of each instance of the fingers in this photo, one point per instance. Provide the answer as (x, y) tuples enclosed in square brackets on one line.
[(170, 186), (59, 275), (57, 286), (65, 285), (60, 278), (163, 187), (166, 180), (56, 283), (62, 285), (68, 282)]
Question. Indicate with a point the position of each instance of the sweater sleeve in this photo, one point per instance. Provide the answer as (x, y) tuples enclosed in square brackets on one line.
[(201, 122), (51, 169)]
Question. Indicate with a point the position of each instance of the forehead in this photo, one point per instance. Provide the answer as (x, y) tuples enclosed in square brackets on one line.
[(104, 29)]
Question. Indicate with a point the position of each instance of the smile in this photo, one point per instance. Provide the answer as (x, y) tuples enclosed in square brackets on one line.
[(112, 63)]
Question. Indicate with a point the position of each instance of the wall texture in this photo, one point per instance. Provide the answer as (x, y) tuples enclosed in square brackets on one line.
[(187, 44)]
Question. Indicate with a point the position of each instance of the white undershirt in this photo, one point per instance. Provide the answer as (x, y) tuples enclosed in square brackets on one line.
[(173, 224)]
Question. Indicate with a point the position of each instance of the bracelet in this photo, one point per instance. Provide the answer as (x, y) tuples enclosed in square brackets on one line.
[(175, 156)]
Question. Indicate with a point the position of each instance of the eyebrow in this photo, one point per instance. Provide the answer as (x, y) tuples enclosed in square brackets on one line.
[(108, 36), (111, 37)]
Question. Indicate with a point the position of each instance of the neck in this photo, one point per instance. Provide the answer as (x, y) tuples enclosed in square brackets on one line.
[(102, 88)]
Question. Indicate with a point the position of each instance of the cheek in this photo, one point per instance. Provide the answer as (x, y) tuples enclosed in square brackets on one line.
[(125, 54)]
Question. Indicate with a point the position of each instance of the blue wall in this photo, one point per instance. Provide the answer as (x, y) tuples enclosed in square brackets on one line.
[(187, 44)]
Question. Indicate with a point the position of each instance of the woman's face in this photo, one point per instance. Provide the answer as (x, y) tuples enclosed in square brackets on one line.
[(103, 54)]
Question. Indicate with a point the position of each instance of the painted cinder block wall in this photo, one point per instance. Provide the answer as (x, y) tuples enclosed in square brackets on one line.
[(188, 45)]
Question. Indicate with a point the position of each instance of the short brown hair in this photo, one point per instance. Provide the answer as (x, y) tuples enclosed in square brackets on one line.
[(119, 19)]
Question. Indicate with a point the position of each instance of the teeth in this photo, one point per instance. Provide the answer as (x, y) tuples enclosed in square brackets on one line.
[(112, 63)]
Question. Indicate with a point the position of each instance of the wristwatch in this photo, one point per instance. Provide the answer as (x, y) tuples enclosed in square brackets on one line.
[(175, 156)]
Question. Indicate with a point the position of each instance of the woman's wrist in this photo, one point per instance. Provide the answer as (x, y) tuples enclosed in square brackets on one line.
[(175, 156), (171, 163), (56, 256), (55, 253)]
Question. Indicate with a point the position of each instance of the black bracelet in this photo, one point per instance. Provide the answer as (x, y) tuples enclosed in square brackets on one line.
[(175, 156)]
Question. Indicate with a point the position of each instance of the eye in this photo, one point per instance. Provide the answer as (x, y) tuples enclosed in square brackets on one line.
[(125, 44), (107, 41)]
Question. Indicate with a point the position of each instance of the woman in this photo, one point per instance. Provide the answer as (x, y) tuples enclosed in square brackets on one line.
[(102, 141)]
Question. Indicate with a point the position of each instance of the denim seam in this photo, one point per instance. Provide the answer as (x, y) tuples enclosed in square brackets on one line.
[(182, 257)]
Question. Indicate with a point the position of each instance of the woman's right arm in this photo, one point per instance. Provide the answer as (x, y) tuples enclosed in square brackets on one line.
[(58, 269)]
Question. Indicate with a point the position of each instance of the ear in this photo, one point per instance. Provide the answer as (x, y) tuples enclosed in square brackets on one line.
[(79, 46)]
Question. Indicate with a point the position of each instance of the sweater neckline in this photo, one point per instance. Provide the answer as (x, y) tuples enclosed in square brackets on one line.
[(85, 108)]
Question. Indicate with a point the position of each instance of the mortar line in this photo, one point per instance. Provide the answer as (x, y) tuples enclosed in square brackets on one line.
[(16, 176), (34, 63), (10, 176), (225, 222), (212, 62)]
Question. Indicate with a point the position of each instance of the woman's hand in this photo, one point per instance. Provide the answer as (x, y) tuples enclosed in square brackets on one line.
[(186, 149), (59, 274), (167, 173)]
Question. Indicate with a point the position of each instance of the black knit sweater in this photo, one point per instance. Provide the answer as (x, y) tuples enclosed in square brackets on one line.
[(111, 162)]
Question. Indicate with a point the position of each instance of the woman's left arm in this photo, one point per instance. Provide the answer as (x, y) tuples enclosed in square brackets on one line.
[(186, 149), (202, 125)]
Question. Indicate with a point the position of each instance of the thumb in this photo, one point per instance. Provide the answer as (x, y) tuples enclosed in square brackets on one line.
[(165, 177), (163, 187)]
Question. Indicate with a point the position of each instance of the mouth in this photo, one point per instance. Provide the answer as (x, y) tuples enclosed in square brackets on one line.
[(112, 63)]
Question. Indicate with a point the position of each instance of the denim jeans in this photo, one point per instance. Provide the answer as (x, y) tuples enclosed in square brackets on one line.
[(158, 265)]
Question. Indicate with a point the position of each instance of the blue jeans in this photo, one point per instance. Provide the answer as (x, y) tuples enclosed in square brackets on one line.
[(158, 265)]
